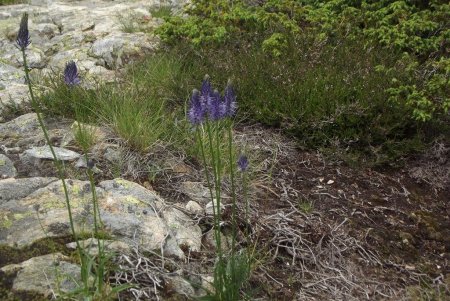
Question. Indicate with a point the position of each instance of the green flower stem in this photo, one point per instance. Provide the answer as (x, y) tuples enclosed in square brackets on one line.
[(217, 272), (208, 181), (233, 193), (58, 164), (96, 215), (220, 271), (247, 219)]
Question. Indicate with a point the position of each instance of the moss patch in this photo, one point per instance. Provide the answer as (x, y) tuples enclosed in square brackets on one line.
[(11, 255)]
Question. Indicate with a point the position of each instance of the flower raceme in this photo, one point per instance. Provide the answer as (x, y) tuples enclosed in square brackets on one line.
[(229, 104), (211, 104), (197, 111), (23, 36), (242, 163), (71, 76)]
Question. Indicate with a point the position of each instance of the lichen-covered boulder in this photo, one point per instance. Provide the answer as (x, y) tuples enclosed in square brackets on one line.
[(45, 274)]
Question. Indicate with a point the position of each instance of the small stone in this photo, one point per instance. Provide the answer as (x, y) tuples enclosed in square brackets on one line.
[(194, 208), (91, 246), (113, 155), (7, 169), (196, 191), (180, 285), (209, 208)]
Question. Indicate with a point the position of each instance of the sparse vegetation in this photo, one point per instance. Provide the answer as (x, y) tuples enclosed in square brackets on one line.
[(364, 83)]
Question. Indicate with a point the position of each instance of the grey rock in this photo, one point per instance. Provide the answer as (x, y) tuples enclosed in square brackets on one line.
[(4, 15), (196, 192), (209, 208), (22, 126), (7, 169), (99, 73), (14, 95), (194, 208), (14, 189), (81, 162), (134, 193), (60, 59), (43, 213), (45, 274), (86, 65), (36, 154), (121, 48), (210, 241), (183, 229), (48, 30), (172, 249), (10, 74), (35, 57), (113, 155), (181, 285)]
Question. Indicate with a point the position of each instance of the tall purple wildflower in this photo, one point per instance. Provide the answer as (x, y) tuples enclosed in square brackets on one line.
[(229, 105), (206, 86), (215, 111), (71, 77), (196, 112), (242, 163), (23, 36), (212, 103)]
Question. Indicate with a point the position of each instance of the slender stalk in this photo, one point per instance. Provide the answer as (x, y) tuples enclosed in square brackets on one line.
[(247, 219), (233, 193), (96, 213), (58, 164), (217, 211), (208, 181)]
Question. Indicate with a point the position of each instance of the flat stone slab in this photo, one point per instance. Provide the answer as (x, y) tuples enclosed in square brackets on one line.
[(43, 152)]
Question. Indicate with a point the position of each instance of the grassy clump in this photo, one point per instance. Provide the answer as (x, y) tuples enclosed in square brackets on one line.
[(162, 11), (138, 109)]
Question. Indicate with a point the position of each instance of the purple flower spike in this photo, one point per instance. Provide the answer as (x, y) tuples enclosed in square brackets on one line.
[(214, 106), (242, 163), (230, 105), (206, 86), (71, 77), (196, 112), (23, 36)]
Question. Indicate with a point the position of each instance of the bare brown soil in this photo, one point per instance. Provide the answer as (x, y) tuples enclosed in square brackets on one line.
[(320, 230)]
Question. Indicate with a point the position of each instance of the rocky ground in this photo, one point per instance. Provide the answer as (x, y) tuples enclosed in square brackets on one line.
[(320, 230)]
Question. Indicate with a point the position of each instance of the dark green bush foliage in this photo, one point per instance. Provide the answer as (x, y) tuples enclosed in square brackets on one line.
[(369, 75), (420, 30)]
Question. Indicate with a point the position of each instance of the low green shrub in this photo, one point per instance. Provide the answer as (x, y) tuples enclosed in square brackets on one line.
[(367, 76)]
